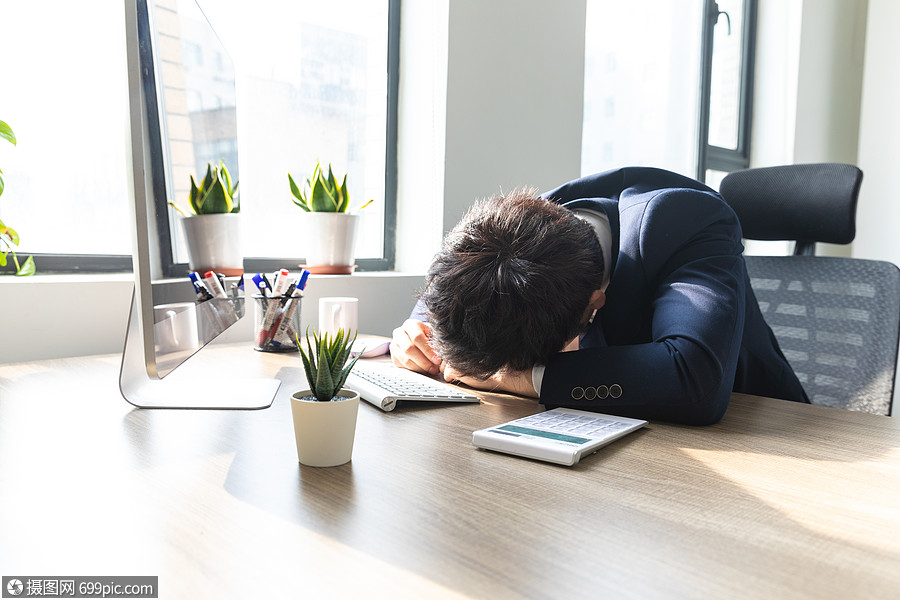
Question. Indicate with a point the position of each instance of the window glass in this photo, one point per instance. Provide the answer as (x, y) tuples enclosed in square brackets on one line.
[(714, 178), (641, 84), (311, 80), (725, 84), (64, 93), (312, 86)]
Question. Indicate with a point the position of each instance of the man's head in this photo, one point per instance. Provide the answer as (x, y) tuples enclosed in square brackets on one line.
[(512, 284)]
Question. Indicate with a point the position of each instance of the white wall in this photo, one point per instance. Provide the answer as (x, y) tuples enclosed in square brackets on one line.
[(808, 89), (514, 98), (878, 218), (491, 98), (832, 42)]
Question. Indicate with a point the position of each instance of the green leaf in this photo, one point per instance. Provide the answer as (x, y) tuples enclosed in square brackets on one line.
[(6, 133), (226, 176), (3, 258), (371, 200), (235, 198), (27, 268), (324, 382), (209, 178), (313, 371), (346, 371), (217, 200), (8, 234), (344, 354), (345, 196), (320, 201), (177, 208), (331, 188), (298, 198), (194, 197), (1, 184), (306, 364)]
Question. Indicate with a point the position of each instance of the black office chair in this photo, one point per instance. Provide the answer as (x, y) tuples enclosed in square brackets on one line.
[(837, 320)]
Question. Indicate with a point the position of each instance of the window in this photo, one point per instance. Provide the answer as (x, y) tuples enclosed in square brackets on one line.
[(64, 95), (317, 83), (729, 48), (667, 84)]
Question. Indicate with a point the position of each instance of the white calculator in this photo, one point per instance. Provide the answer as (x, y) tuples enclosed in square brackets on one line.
[(561, 435)]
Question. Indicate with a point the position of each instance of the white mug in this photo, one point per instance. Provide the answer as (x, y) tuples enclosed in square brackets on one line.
[(338, 313), (175, 326)]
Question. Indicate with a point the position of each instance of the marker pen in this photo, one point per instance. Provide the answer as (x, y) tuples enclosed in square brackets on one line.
[(281, 329), (214, 285), (301, 283), (260, 283), (222, 304), (282, 281), (203, 294)]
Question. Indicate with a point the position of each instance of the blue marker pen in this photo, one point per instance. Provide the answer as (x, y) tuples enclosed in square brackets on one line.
[(260, 282), (203, 294), (301, 283)]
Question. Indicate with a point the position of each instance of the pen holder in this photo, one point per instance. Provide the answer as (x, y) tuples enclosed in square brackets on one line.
[(276, 323)]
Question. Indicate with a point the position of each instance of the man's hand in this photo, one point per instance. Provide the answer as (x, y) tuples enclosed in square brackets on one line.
[(514, 382), (411, 349)]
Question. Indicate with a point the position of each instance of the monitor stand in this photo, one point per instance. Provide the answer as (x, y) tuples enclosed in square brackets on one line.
[(192, 385)]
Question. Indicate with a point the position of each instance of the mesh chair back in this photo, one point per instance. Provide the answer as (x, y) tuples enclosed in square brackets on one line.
[(837, 322), (806, 203)]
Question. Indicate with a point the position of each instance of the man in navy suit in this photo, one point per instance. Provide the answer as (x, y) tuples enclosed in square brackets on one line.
[(623, 292)]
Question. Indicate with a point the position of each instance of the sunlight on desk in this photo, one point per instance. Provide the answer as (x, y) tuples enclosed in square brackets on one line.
[(837, 510)]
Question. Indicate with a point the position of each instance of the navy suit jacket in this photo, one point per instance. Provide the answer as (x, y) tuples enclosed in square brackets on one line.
[(681, 324)]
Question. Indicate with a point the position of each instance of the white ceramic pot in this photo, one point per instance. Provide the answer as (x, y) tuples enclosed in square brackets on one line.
[(214, 243), (324, 431), (329, 239)]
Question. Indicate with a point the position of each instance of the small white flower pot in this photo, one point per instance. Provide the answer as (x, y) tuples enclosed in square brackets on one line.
[(324, 431), (214, 243), (329, 239)]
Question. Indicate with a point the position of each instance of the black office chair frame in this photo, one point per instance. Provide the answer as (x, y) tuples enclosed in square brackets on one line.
[(837, 320)]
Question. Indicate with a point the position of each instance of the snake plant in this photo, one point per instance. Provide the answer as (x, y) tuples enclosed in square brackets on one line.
[(321, 192), (214, 195)]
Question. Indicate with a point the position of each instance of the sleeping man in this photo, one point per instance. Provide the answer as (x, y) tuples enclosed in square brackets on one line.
[(623, 292)]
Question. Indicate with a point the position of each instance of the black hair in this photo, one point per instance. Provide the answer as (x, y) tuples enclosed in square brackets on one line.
[(511, 284)]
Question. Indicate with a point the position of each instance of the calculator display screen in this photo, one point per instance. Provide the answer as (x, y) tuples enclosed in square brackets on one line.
[(544, 434)]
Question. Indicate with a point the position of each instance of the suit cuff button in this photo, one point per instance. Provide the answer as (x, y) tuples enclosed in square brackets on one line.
[(615, 390)]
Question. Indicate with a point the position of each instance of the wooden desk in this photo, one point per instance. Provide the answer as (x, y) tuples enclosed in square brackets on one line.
[(778, 500)]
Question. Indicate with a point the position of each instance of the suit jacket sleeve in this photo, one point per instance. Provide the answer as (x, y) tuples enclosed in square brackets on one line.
[(685, 267)]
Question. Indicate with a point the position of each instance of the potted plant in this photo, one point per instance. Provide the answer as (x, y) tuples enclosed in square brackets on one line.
[(330, 228), (8, 235), (325, 415), (212, 227)]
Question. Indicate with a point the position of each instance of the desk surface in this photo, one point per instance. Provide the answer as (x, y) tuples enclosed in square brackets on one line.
[(777, 500)]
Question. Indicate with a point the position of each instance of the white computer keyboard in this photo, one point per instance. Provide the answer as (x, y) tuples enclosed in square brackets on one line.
[(561, 435), (383, 385)]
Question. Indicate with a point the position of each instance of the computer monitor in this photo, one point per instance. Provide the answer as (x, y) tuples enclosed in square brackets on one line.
[(181, 97)]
